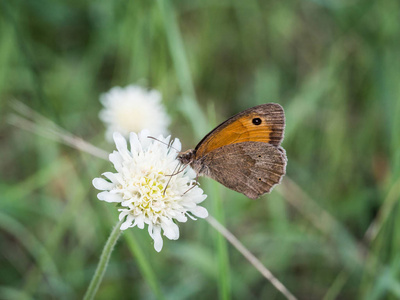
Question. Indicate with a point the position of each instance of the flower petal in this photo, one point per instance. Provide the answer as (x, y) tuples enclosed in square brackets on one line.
[(139, 221), (121, 145), (123, 214), (101, 184), (127, 223), (135, 144), (177, 144), (181, 217), (109, 197), (171, 230), (111, 176), (144, 139), (190, 172), (116, 160), (158, 241), (200, 212)]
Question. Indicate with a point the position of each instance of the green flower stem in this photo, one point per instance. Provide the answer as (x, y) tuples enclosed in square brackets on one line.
[(104, 258), (224, 280)]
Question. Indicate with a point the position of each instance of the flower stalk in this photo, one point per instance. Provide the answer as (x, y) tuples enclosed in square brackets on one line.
[(103, 262)]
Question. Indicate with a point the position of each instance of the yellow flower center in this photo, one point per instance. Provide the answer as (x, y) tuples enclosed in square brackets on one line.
[(150, 198)]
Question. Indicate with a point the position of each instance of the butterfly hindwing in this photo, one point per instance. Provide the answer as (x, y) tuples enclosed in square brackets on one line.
[(251, 168)]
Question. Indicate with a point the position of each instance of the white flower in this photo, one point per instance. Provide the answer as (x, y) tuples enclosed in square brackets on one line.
[(140, 182), (132, 109)]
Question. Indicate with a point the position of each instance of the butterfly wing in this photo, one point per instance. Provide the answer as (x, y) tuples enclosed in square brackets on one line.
[(250, 168), (263, 123)]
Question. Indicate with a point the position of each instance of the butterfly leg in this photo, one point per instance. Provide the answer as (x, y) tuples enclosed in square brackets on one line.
[(195, 184), (173, 174), (179, 171)]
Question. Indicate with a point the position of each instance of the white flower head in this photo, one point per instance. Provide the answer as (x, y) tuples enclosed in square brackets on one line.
[(144, 191), (132, 109)]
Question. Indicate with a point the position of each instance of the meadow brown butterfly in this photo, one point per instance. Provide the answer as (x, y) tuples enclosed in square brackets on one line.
[(243, 153)]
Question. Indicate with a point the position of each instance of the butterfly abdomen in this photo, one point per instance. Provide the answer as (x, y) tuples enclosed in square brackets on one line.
[(200, 167)]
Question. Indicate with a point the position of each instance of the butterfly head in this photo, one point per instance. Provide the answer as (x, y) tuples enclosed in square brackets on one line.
[(187, 157)]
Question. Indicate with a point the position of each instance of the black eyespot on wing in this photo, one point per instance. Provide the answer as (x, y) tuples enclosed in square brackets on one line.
[(256, 121), (259, 179)]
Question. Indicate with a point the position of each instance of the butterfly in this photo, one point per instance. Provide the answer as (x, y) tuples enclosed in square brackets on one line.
[(243, 153)]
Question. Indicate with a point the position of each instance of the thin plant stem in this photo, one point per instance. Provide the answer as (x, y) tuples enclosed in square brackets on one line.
[(250, 257), (181, 65), (222, 247), (103, 262), (144, 264), (323, 220), (337, 285), (224, 274), (329, 226), (199, 122), (35, 248), (30, 120), (383, 214), (369, 236)]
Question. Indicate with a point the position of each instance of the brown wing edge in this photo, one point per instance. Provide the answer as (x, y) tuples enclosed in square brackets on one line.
[(278, 131), (283, 151), (253, 194)]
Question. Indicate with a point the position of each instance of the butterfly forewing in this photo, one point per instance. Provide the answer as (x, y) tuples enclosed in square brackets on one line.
[(243, 153), (263, 123), (251, 168)]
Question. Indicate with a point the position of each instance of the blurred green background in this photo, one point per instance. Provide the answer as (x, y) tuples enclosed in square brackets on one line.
[(330, 231)]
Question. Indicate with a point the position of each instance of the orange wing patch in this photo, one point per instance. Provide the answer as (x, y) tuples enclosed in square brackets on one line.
[(264, 123)]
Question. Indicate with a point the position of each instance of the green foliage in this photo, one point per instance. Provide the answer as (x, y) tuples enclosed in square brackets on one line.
[(331, 230)]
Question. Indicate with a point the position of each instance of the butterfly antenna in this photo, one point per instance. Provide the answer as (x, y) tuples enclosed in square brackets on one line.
[(169, 145)]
